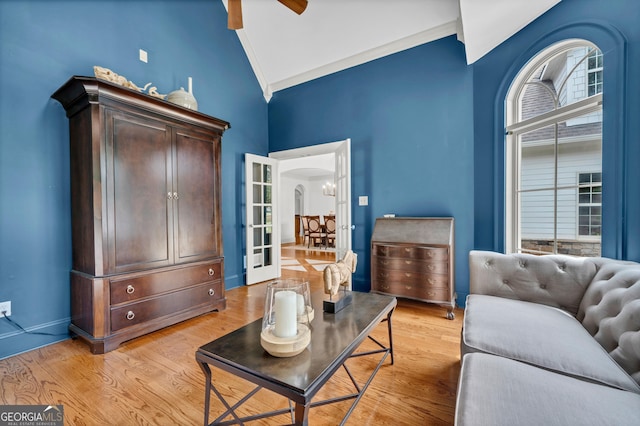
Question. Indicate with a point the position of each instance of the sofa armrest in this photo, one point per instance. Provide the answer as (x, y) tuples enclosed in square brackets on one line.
[(554, 280)]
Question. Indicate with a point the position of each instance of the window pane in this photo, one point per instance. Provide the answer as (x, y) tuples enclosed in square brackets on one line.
[(538, 216)]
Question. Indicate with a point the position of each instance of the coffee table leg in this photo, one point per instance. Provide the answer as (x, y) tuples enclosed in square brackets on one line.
[(207, 390), (390, 334), (302, 414)]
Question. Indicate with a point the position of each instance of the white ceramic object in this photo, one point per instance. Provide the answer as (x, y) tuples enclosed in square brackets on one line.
[(183, 98)]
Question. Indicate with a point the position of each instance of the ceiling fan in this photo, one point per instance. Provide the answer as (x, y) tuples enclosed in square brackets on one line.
[(235, 11)]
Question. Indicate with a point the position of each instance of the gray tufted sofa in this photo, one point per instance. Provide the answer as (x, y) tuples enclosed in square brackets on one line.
[(550, 340)]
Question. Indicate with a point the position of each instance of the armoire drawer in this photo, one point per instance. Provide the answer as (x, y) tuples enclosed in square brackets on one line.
[(167, 304), (411, 252), (125, 290), (411, 265)]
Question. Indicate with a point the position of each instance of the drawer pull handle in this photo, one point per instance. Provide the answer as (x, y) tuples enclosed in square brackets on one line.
[(130, 289), (211, 271), (211, 292), (130, 315), (175, 195)]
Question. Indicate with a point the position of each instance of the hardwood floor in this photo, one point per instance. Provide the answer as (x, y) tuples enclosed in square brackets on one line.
[(155, 380)]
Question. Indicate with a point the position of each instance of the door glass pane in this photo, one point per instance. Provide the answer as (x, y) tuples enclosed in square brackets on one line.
[(257, 258), (267, 215), (267, 257), (257, 193), (267, 194), (257, 176), (257, 215), (257, 237), (267, 173), (267, 235)]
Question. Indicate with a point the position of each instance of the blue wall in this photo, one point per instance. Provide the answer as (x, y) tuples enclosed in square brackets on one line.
[(409, 117), (44, 43)]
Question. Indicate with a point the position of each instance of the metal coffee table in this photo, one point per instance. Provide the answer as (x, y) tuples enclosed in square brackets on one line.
[(334, 339)]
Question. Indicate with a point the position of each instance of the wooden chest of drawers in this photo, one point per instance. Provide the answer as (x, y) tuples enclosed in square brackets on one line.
[(414, 258)]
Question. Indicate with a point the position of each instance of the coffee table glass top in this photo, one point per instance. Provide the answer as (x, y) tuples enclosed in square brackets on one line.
[(333, 337)]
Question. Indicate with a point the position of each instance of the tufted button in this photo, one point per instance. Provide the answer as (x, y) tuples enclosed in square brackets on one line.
[(523, 264), (505, 281), (543, 286), (562, 267), (487, 263)]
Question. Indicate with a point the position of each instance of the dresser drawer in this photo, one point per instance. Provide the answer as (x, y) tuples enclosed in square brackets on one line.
[(410, 252), (167, 304), (414, 291), (133, 288), (412, 265), (389, 276)]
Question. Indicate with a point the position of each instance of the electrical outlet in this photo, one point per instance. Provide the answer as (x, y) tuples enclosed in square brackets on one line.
[(5, 306)]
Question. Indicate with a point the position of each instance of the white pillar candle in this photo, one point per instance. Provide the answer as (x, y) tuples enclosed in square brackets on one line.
[(301, 308), (286, 308), (190, 85)]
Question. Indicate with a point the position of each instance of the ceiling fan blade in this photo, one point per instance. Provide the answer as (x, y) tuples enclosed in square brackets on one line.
[(298, 6), (235, 15)]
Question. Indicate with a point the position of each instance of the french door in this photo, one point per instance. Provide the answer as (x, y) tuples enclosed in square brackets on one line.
[(263, 230), (262, 216)]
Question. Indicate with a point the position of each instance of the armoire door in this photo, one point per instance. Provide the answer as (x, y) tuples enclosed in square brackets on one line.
[(196, 180), (139, 199)]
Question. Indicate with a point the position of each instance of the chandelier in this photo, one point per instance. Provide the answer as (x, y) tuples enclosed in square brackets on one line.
[(329, 189)]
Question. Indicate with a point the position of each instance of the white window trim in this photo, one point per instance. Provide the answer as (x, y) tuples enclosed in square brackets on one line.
[(513, 129)]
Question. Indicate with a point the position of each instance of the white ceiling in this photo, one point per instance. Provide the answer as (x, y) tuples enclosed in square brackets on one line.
[(286, 49)]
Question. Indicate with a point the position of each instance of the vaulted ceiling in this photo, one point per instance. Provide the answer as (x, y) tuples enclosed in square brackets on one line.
[(286, 49)]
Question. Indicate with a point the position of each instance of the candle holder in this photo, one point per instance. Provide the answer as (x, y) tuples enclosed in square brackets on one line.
[(287, 316)]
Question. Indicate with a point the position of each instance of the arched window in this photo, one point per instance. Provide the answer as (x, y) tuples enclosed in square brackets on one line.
[(554, 152)]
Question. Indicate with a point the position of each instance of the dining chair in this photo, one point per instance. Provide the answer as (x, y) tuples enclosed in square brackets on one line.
[(330, 229), (316, 231), (305, 229)]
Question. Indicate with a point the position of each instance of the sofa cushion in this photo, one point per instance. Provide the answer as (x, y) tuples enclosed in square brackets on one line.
[(539, 335), (610, 311), (498, 391), (554, 280)]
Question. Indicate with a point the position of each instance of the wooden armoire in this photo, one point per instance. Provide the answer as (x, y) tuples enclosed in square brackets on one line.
[(145, 211)]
